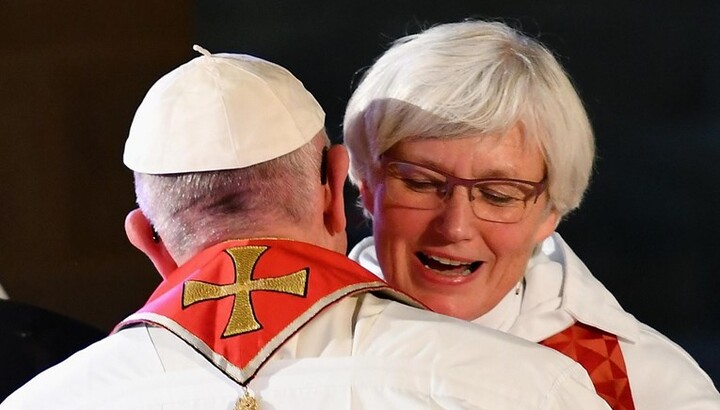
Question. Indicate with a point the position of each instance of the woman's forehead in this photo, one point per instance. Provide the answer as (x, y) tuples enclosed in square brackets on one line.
[(513, 139), (481, 155)]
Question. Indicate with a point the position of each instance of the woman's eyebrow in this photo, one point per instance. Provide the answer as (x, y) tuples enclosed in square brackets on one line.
[(492, 172)]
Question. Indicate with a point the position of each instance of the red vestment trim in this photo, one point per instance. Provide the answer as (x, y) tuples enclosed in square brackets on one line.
[(600, 354), (239, 301)]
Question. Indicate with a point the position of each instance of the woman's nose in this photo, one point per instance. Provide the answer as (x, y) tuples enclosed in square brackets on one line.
[(455, 220)]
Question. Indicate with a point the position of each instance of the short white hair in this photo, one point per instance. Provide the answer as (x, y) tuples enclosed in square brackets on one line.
[(194, 210), (472, 77)]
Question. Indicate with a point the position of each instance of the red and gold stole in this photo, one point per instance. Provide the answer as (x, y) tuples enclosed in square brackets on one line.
[(599, 353), (239, 301)]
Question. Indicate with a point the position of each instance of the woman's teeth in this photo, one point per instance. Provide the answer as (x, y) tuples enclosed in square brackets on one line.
[(448, 267)]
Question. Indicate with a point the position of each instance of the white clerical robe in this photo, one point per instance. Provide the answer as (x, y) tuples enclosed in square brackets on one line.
[(361, 353)]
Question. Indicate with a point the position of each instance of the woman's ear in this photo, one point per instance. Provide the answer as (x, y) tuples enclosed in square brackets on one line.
[(547, 226), (142, 235), (367, 197)]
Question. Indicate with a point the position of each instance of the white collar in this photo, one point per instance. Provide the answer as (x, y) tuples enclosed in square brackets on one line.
[(561, 290), (586, 299), (558, 289)]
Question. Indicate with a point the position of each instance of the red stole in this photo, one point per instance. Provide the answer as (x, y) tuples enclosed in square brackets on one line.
[(239, 301), (599, 353)]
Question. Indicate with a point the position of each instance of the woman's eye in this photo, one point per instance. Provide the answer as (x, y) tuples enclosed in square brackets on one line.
[(422, 185), (504, 197)]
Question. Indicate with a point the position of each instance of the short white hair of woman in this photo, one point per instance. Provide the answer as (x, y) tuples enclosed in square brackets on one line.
[(472, 77)]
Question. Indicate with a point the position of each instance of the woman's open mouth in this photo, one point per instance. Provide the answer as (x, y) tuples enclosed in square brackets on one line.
[(448, 267)]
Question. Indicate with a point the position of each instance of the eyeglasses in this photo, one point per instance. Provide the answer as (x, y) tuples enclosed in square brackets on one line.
[(501, 200)]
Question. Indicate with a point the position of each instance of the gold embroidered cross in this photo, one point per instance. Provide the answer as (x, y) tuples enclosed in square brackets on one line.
[(242, 318)]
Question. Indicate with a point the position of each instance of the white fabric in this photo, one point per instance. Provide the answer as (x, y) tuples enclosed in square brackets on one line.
[(394, 357), (559, 290), (221, 111), (3, 294)]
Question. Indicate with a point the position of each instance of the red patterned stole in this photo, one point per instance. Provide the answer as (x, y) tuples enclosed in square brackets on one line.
[(239, 301), (599, 353)]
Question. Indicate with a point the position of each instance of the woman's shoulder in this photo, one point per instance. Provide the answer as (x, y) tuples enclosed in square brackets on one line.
[(664, 376)]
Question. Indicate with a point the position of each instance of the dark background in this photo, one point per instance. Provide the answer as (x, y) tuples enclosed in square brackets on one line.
[(72, 73)]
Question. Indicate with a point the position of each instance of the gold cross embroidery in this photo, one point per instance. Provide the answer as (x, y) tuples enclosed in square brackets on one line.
[(242, 318)]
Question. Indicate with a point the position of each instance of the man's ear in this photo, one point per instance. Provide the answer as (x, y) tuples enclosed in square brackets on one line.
[(337, 171), (142, 235)]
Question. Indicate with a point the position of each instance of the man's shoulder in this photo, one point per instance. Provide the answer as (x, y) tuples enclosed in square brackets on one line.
[(663, 374), (431, 328), (89, 370), (144, 360), (467, 360), (456, 341)]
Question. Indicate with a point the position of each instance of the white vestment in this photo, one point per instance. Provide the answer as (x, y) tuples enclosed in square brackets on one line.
[(361, 353), (557, 290)]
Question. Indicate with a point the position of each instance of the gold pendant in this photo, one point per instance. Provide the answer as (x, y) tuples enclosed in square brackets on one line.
[(247, 402)]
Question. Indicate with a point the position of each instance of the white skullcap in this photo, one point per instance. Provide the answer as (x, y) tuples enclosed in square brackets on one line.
[(221, 111)]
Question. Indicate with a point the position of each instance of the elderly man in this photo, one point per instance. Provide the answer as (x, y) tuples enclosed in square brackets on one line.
[(241, 211)]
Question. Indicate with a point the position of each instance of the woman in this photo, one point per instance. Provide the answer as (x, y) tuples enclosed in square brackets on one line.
[(469, 144)]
